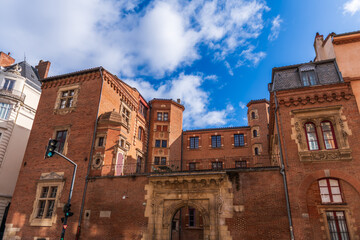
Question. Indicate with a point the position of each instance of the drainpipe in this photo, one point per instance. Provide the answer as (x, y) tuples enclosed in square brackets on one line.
[(283, 173), (90, 158), (181, 151), (148, 140)]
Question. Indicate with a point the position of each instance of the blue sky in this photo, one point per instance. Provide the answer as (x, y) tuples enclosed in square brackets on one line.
[(214, 55)]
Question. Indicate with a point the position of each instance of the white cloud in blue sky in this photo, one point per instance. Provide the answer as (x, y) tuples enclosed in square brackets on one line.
[(275, 28), (195, 99), (156, 39), (352, 6)]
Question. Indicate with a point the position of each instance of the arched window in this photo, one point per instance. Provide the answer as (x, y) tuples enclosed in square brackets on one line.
[(255, 133), (140, 133), (328, 135), (311, 136), (330, 191), (256, 150), (253, 116)]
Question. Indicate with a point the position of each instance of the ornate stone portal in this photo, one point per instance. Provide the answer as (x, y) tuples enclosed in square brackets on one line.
[(210, 194)]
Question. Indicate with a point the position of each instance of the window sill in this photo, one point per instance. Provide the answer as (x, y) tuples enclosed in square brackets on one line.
[(326, 155), (42, 222)]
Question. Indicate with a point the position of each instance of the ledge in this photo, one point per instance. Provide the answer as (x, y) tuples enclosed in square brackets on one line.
[(326, 155)]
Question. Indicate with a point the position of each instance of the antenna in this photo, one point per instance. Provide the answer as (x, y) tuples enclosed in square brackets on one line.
[(24, 57)]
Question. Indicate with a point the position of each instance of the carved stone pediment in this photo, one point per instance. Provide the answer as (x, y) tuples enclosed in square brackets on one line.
[(52, 176)]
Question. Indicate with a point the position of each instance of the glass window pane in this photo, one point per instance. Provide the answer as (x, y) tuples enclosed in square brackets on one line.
[(44, 192), (333, 182), (325, 198), (53, 192), (50, 210), (322, 182), (41, 208), (337, 199), (324, 190)]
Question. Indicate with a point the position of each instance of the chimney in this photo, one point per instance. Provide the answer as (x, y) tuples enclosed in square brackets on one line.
[(43, 68), (178, 100), (5, 59)]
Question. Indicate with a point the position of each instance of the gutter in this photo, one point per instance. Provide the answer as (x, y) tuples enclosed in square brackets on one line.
[(90, 159), (283, 173)]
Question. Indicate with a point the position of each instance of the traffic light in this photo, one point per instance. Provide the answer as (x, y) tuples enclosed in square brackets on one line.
[(67, 209), (51, 147)]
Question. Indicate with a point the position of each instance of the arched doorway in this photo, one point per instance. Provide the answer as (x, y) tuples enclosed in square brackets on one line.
[(187, 223)]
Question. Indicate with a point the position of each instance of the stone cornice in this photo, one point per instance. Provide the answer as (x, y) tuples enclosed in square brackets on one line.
[(314, 98)]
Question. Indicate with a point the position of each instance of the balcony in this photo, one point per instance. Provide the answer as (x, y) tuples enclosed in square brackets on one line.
[(13, 94)]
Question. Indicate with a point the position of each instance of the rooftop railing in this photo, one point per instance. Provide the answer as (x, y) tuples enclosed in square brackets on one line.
[(190, 166)]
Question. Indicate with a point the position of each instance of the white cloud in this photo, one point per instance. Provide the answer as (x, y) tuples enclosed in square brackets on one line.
[(242, 105), (227, 64), (352, 6), (195, 99), (154, 39), (275, 28), (251, 57)]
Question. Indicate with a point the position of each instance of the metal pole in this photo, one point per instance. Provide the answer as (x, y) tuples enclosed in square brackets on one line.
[(70, 193)]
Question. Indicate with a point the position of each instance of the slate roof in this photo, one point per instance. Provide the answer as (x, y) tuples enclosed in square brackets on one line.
[(31, 75), (288, 77)]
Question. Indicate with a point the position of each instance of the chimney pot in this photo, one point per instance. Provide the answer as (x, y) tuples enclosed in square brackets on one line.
[(178, 100)]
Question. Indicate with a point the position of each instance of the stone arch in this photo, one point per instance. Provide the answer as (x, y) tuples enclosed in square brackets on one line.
[(172, 210), (310, 178)]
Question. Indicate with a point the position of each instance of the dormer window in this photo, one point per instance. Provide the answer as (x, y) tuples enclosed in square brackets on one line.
[(308, 78)]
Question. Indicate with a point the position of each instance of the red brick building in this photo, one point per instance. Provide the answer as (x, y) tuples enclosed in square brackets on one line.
[(291, 173)]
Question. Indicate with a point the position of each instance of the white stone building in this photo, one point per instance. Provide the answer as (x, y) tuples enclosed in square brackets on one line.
[(20, 91)]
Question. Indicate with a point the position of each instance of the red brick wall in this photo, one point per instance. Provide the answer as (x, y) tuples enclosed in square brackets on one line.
[(301, 175), (81, 122), (127, 220), (264, 213)]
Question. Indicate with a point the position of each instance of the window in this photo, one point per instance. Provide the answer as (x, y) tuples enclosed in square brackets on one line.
[(101, 142), (158, 162), (125, 113), (46, 203), (61, 138), (162, 116), (5, 109), (194, 142), (241, 164), (239, 140), (253, 115), (192, 166), (138, 164), (328, 135), (308, 78), (66, 99), (255, 134), (216, 165), (311, 136), (142, 109), (337, 225), (216, 141), (164, 143), (256, 151), (166, 116), (330, 191), (8, 84), (191, 217), (140, 133), (157, 143)]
